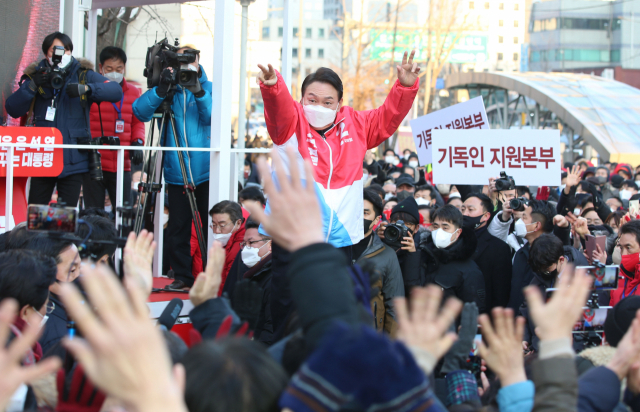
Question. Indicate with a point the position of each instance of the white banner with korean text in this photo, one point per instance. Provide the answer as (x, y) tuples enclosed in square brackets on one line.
[(471, 157), (467, 115)]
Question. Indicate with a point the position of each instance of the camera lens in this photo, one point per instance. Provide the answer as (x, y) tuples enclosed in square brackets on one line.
[(391, 233), (57, 81), (95, 165), (515, 204)]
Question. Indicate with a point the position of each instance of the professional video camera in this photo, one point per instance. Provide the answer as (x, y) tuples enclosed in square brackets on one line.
[(395, 233), (518, 204), (56, 73), (505, 182), (162, 55)]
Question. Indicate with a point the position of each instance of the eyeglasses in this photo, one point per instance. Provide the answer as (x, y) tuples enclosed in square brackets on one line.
[(220, 226), (252, 242)]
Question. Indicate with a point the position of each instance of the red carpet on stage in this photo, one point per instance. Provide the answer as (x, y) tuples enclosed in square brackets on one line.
[(158, 301)]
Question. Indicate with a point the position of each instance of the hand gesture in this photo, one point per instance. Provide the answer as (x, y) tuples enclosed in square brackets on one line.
[(291, 204), (573, 178), (123, 353), (137, 258), (426, 325), (12, 373), (560, 221), (599, 255), (266, 76), (555, 319), (504, 353), (581, 227), (207, 284), (506, 211), (492, 185), (408, 244), (408, 71), (381, 228)]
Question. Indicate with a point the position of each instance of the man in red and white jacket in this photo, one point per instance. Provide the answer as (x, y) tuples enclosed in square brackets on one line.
[(118, 120), (335, 138)]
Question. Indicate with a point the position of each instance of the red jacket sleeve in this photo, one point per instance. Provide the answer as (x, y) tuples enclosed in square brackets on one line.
[(382, 122), (279, 111)]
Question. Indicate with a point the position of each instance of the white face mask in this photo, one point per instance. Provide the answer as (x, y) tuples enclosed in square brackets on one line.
[(365, 176), (520, 228), (422, 201), (64, 62), (413, 164), (250, 255), (443, 189), (224, 237), (319, 116), (108, 209), (390, 160), (441, 238), (576, 211), (625, 194), (388, 196), (165, 219), (114, 76), (44, 319)]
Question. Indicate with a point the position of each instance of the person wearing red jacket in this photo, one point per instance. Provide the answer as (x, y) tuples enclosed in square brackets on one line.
[(630, 265), (118, 120)]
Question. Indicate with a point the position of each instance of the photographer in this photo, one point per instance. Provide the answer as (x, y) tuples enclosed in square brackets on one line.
[(114, 120), (192, 109), (65, 108)]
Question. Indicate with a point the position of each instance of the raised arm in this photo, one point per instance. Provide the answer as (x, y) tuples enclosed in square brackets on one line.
[(279, 107)]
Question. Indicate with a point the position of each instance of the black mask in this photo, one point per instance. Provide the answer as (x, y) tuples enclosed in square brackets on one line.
[(367, 225), (471, 222), (403, 194), (550, 275)]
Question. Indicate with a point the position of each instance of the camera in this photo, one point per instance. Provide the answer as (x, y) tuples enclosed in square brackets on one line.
[(95, 158), (505, 182), (56, 74), (54, 218), (518, 204), (394, 233), (163, 55)]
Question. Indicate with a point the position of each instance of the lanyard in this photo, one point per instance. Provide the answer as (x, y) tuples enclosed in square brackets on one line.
[(625, 288), (56, 92), (119, 110)]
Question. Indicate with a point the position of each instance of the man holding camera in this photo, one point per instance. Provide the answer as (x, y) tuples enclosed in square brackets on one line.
[(116, 120), (57, 94), (191, 106)]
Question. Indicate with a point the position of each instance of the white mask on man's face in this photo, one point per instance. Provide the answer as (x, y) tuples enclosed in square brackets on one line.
[(441, 238), (319, 116), (413, 163), (114, 76)]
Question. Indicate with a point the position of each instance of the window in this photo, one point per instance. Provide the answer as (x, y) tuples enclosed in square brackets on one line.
[(320, 53), (500, 39), (280, 31), (307, 53), (515, 23), (309, 33), (501, 6), (535, 56), (471, 5), (295, 32), (294, 52), (586, 24), (265, 32), (500, 56), (615, 56), (500, 23), (515, 57), (321, 33), (515, 40), (486, 5), (516, 7)]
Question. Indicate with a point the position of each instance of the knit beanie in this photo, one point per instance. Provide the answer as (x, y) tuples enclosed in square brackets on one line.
[(408, 205), (357, 365), (619, 319)]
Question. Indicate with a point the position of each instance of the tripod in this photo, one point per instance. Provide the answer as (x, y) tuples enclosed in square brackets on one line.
[(165, 118)]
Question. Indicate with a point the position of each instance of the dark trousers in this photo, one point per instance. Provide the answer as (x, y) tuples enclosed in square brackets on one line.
[(93, 190), (180, 219), (41, 189)]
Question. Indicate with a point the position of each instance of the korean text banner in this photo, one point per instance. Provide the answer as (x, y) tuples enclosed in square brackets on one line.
[(31, 161), (467, 115), (471, 157)]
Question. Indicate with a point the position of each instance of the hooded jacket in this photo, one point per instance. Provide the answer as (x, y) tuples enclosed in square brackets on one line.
[(625, 167), (337, 155), (192, 114), (70, 118), (453, 269)]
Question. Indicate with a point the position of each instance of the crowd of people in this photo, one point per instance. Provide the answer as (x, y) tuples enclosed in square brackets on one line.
[(341, 279)]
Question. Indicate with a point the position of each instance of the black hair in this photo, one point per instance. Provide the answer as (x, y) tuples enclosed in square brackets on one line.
[(25, 275), (391, 199), (49, 246), (102, 229), (542, 212), (378, 189), (175, 344), (48, 41), (487, 204), (635, 197), (94, 211), (374, 199), (451, 199), (584, 185), (449, 214), (522, 190), (3, 241), (324, 75), (428, 188), (389, 150), (113, 52), (631, 228), (19, 237), (404, 216), (545, 251), (616, 216), (563, 175), (232, 375), (585, 200), (252, 193), (413, 155), (588, 210), (233, 209)]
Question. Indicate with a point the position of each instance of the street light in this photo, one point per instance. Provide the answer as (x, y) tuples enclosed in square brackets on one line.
[(242, 112)]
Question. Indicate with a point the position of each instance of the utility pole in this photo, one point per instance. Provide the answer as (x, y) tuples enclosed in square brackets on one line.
[(242, 109), (300, 21)]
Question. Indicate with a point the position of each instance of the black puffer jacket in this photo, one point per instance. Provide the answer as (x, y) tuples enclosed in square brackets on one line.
[(453, 269)]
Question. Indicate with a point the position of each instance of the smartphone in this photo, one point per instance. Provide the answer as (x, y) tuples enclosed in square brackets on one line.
[(592, 319), (592, 242), (634, 207), (43, 218), (606, 277)]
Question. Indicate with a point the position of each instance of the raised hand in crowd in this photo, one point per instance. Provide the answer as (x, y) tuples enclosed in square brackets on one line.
[(292, 203), (573, 178), (138, 261), (12, 373), (207, 283), (560, 221), (123, 353), (408, 71), (266, 76), (581, 227)]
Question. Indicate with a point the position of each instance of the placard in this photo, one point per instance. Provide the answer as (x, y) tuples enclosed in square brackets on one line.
[(31, 161), (471, 157), (466, 115)]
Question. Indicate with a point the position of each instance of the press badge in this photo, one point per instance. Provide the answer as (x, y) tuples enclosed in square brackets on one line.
[(119, 126), (51, 114)]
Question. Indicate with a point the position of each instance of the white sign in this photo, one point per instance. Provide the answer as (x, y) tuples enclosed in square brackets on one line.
[(471, 157), (467, 115)]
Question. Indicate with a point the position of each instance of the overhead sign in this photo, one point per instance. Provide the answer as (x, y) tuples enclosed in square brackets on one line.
[(470, 48), (466, 115), (471, 157), (31, 161)]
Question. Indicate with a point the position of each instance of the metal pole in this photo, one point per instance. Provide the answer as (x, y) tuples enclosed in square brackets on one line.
[(92, 36), (117, 203), (287, 39), (242, 113), (632, 35), (505, 118), (300, 24), (8, 198)]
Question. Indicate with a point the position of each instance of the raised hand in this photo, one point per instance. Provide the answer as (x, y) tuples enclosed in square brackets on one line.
[(581, 227), (573, 178), (207, 283), (138, 260), (266, 76), (426, 325), (408, 71)]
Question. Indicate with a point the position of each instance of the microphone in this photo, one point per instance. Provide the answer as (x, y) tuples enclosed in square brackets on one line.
[(170, 314)]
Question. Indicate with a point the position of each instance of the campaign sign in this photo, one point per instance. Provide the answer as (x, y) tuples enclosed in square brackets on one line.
[(467, 115), (471, 157), (32, 161)]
